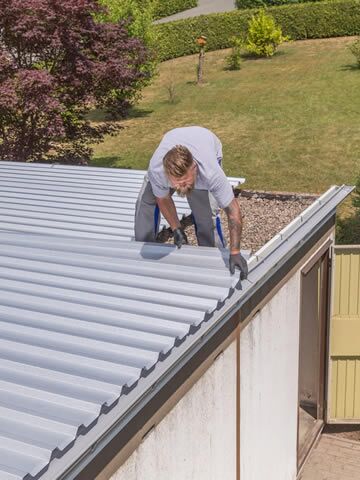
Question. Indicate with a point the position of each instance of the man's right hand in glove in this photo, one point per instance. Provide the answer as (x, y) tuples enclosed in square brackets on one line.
[(168, 210), (238, 261), (180, 237)]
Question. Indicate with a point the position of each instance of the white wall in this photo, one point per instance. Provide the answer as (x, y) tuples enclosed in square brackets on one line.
[(269, 352), (197, 439)]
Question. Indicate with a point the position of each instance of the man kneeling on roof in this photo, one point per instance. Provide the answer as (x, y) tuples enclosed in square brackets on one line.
[(188, 161)]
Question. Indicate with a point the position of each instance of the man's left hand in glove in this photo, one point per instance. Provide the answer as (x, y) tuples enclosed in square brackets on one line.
[(238, 261)]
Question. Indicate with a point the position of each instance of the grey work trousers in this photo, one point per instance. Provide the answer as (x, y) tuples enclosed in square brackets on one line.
[(204, 209)]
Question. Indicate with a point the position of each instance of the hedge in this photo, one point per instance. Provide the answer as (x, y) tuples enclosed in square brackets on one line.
[(164, 8), (306, 20), (263, 3)]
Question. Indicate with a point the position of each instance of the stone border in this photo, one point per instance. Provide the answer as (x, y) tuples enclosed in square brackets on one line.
[(282, 196)]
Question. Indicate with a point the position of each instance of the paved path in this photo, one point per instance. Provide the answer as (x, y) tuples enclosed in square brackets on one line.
[(333, 458), (204, 7)]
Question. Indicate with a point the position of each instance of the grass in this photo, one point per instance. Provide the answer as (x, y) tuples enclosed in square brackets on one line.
[(289, 123)]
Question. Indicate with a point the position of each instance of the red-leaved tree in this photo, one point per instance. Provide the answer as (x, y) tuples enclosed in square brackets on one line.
[(56, 64)]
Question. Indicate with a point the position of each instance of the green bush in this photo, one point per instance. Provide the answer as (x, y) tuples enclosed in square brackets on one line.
[(242, 4), (164, 8), (348, 228), (234, 59), (140, 13), (355, 50), (300, 21), (356, 196), (264, 36), (245, 4)]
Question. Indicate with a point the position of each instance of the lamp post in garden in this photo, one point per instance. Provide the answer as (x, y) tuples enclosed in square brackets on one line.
[(201, 41)]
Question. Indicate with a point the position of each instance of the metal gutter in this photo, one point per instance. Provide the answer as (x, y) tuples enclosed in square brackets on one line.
[(90, 454)]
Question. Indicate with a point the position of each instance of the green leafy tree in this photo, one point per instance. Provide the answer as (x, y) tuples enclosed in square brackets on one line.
[(264, 36), (138, 15)]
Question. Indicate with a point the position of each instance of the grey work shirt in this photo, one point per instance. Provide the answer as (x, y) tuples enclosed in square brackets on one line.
[(206, 150)]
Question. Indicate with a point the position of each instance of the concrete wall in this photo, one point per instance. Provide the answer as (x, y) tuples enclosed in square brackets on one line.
[(197, 439), (269, 352)]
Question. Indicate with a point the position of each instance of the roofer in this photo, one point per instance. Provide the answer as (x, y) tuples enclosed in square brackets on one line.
[(189, 161)]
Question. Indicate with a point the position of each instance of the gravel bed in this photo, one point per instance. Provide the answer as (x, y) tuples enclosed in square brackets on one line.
[(262, 218)]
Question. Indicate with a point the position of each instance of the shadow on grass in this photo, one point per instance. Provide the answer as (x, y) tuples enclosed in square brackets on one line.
[(139, 113), (351, 67), (100, 115), (348, 230), (97, 115), (110, 162), (246, 57), (194, 83), (252, 56)]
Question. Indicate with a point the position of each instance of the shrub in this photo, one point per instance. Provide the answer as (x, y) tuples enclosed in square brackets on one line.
[(245, 4), (164, 8), (300, 21), (348, 229), (171, 91), (56, 63), (355, 50), (264, 36), (356, 196), (234, 59)]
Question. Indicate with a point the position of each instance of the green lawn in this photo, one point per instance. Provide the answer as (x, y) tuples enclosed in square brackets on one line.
[(289, 123)]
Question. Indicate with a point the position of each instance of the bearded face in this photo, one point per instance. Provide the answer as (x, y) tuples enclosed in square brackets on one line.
[(184, 191), (184, 185)]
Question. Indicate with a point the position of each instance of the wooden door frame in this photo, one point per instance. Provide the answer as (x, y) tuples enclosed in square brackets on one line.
[(322, 257)]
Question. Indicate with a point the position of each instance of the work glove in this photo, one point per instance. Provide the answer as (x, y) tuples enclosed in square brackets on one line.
[(180, 237), (237, 260)]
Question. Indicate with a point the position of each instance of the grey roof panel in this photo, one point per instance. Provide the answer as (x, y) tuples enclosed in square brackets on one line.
[(80, 324), (77, 202)]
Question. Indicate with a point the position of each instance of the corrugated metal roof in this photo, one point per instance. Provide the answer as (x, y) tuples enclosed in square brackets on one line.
[(73, 201), (80, 324), (87, 327), (264, 270)]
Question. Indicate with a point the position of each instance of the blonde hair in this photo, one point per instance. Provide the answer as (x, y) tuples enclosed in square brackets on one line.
[(178, 161)]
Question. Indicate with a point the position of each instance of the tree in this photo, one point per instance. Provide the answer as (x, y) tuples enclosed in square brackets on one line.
[(139, 15), (139, 12), (56, 64)]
